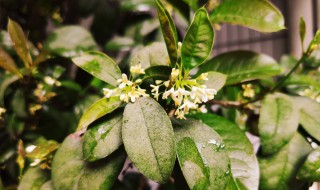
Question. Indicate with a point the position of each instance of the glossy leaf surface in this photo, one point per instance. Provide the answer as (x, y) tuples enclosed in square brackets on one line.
[(103, 138), (70, 171), (244, 164), (169, 32), (260, 15), (278, 122), (97, 110), (100, 66), (242, 66), (69, 41), (212, 150), (198, 42), (279, 170), (148, 138)]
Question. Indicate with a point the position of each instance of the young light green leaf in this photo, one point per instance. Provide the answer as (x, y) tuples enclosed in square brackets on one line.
[(302, 30), (102, 138), (309, 115), (20, 42), (8, 64), (70, 171), (309, 171), (97, 110), (198, 42), (242, 66), (151, 55), (314, 44), (215, 80), (148, 138), (192, 165), (34, 178), (99, 65), (69, 41), (244, 164), (278, 122), (259, 15), (169, 32), (212, 150), (279, 171)]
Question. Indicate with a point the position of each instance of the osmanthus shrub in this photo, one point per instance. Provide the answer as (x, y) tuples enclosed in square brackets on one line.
[(160, 114)]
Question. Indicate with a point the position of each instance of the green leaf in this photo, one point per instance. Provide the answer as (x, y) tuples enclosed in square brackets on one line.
[(70, 171), (309, 115), (151, 55), (34, 178), (244, 164), (212, 150), (279, 170), (314, 44), (158, 72), (148, 138), (18, 104), (278, 122), (242, 66), (20, 42), (99, 65), (192, 165), (97, 110), (118, 43), (169, 32), (215, 80), (259, 15), (302, 30), (302, 80), (103, 138), (198, 43), (182, 8), (309, 171), (8, 64), (69, 41)]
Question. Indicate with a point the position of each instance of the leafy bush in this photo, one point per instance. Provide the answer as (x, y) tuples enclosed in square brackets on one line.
[(181, 117)]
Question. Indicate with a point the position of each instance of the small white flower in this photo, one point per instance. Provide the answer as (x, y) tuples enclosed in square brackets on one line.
[(137, 69), (187, 105), (124, 97), (108, 92), (168, 93), (158, 82), (124, 81), (178, 95), (203, 109), (138, 81), (167, 83), (175, 73), (203, 76), (179, 114)]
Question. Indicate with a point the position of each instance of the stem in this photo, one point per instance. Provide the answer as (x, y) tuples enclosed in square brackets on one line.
[(282, 80)]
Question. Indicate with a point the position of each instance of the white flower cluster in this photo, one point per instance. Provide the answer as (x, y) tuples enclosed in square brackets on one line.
[(186, 93), (127, 90)]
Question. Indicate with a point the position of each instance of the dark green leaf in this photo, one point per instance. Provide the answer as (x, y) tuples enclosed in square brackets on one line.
[(309, 115), (302, 30), (148, 138), (1, 185), (99, 65), (279, 170), (192, 3), (70, 171), (158, 72), (198, 43), (19, 104), (278, 122), (212, 150), (102, 138), (8, 64), (182, 7), (260, 15), (97, 110), (215, 80), (69, 41), (152, 55), (192, 165), (244, 164), (242, 66), (34, 178), (20, 42), (311, 167), (5, 83), (169, 32)]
